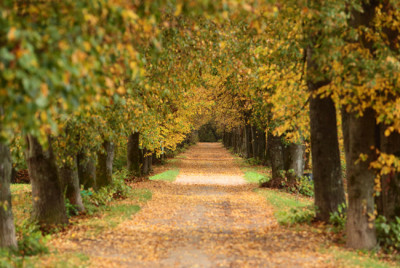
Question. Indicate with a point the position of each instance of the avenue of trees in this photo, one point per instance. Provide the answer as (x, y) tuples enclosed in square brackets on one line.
[(80, 79)]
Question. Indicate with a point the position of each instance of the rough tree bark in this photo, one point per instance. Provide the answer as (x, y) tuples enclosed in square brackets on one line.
[(360, 227), (7, 228), (362, 134), (86, 171), (134, 154), (104, 165), (48, 199)]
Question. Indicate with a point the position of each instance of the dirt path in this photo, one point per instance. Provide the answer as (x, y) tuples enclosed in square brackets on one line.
[(208, 218)]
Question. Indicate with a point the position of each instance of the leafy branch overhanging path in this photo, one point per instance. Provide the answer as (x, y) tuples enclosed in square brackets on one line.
[(208, 218)]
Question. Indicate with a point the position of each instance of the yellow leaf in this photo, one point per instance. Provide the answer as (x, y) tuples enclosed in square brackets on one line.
[(11, 34)]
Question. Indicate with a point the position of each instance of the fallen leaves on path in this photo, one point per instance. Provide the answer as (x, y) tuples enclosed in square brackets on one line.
[(200, 225)]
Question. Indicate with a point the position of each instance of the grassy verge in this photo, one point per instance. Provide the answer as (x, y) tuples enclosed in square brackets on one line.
[(253, 172), (293, 208), (289, 208), (169, 175)]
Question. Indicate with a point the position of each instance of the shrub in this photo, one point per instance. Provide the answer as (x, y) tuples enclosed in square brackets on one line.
[(71, 209), (303, 214), (388, 233), (305, 186), (30, 239), (253, 161), (338, 218), (94, 200)]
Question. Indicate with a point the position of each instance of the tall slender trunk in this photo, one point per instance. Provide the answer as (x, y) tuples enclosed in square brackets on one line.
[(133, 152), (70, 183), (248, 141), (48, 199), (388, 202), (254, 141), (277, 163), (7, 228), (86, 170), (145, 162), (326, 167), (261, 144), (104, 166), (360, 227)]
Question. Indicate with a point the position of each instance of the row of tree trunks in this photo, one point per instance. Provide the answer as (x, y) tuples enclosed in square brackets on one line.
[(249, 141), (246, 141)]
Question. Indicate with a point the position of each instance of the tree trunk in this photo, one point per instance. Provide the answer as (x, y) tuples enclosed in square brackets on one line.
[(294, 159), (248, 141), (388, 202), (277, 164), (86, 171), (7, 228), (134, 154), (104, 165), (261, 144), (326, 167), (149, 161), (360, 227), (70, 181), (48, 199), (254, 141), (145, 162)]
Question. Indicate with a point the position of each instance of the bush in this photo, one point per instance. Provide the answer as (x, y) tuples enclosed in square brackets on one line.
[(30, 239), (298, 215), (388, 233), (338, 218), (253, 161), (94, 200), (71, 209), (305, 186)]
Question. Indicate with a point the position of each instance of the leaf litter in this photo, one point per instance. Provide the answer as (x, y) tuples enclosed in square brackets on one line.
[(195, 223)]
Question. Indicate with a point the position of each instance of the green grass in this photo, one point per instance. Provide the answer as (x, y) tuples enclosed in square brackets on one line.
[(284, 204), (169, 175), (359, 259), (288, 208), (254, 177)]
